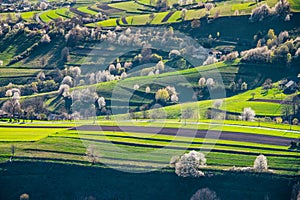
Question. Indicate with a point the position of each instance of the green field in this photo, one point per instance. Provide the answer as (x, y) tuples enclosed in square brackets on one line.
[(86, 10), (71, 145)]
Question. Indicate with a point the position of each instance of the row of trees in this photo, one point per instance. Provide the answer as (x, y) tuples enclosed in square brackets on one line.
[(191, 163), (281, 9), (32, 108)]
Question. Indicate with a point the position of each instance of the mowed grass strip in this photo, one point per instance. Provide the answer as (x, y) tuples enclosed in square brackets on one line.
[(25, 134), (208, 126), (28, 16)]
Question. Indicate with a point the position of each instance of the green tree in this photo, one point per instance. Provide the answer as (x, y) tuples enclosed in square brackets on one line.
[(187, 114), (162, 95)]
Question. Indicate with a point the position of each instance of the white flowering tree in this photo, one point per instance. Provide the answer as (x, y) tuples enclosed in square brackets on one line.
[(101, 102), (136, 87), (188, 165), (45, 39), (202, 82), (248, 114), (67, 80), (205, 194), (261, 164), (147, 90), (12, 105)]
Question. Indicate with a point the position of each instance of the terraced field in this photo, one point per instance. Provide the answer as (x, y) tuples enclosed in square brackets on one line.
[(127, 148)]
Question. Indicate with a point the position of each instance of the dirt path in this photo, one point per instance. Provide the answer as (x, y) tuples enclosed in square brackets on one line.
[(225, 135)]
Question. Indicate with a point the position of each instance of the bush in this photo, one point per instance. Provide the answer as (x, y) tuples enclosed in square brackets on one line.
[(295, 121)]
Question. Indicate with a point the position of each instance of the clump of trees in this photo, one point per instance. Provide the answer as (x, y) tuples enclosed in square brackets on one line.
[(189, 164), (260, 165), (167, 94), (12, 106), (281, 9)]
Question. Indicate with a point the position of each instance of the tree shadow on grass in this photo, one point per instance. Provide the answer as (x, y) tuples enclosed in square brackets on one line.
[(60, 181)]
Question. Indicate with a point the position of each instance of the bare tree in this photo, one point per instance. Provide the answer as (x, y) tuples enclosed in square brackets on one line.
[(187, 114)]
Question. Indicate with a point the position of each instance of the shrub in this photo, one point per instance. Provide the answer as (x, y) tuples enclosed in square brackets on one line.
[(278, 120), (188, 164), (260, 164), (295, 121)]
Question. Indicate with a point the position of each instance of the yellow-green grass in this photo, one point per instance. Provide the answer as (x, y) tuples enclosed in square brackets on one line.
[(11, 72), (106, 23), (178, 141), (195, 14), (208, 126), (65, 12), (53, 15), (87, 10), (44, 17), (28, 16), (175, 17), (4, 16), (158, 17), (129, 6), (295, 5), (139, 19), (25, 134), (128, 19), (257, 123), (70, 149)]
